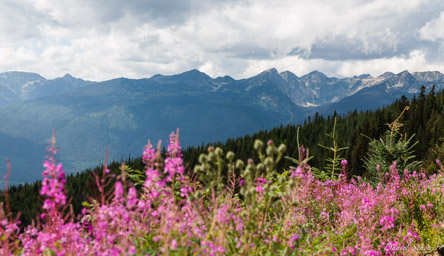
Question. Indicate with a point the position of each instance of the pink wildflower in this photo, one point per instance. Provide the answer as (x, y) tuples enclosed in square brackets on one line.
[(174, 244), (386, 222), (222, 215), (173, 163), (149, 154), (293, 239), (411, 236), (371, 253), (185, 190), (324, 215), (259, 189), (297, 172), (118, 191), (261, 181), (53, 183), (132, 197)]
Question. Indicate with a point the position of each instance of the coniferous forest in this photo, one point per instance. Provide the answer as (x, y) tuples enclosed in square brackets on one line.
[(424, 119), (419, 125)]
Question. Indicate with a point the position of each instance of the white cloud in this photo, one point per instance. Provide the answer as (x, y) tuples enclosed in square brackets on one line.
[(433, 30), (101, 39), (415, 61)]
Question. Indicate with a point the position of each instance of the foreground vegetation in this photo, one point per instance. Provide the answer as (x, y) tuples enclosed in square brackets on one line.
[(254, 210)]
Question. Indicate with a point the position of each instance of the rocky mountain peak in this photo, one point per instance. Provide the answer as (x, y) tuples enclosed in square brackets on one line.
[(429, 76), (288, 76), (387, 75), (194, 75), (272, 72), (363, 76), (315, 76)]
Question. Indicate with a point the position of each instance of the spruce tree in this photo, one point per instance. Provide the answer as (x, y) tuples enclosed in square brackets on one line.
[(393, 148)]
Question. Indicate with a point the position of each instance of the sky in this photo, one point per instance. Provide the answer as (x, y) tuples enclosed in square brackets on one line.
[(104, 39)]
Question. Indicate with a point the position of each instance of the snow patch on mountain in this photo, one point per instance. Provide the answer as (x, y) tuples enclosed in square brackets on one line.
[(309, 104)]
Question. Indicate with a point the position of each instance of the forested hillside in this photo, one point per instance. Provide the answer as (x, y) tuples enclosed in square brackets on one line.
[(424, 119), (121, 114)]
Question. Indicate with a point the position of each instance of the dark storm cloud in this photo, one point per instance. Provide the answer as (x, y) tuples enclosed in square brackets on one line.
[(344, 49), (159, 11)]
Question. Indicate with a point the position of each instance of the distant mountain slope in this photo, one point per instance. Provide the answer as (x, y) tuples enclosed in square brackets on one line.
[(311, 90), (390, 87), (19, 86), (122, 114)]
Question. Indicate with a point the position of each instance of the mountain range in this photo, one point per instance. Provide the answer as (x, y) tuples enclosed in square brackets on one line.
[(122, 114)]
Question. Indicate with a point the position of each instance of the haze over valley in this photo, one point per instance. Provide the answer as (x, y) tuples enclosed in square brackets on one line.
[(122, 114)]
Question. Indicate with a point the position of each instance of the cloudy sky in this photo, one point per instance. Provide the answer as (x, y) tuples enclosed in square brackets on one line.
[(104, 39)]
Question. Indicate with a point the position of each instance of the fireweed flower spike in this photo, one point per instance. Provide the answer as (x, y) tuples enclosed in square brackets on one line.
[(57, 234), (173, 162), (53, 182), (149, 154)]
